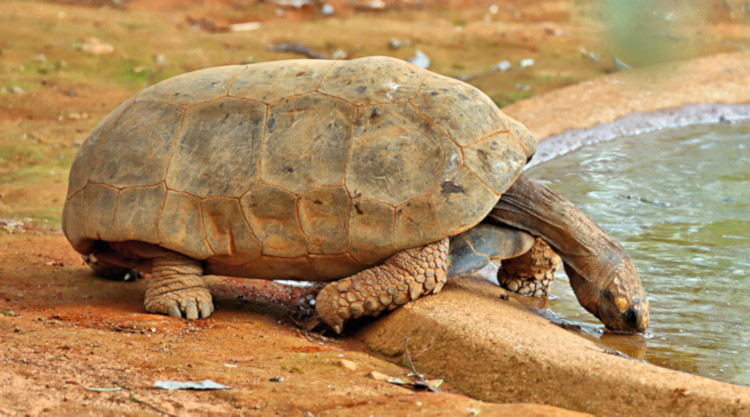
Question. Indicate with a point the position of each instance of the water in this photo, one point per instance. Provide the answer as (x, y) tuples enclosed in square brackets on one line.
[(679, 202)]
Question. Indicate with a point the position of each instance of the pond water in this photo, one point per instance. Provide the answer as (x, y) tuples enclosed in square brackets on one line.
[(679, 202)]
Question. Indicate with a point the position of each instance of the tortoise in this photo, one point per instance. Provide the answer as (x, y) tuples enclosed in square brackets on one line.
[(361, 173)]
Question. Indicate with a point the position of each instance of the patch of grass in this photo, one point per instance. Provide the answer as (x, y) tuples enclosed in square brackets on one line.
[(511, 97)]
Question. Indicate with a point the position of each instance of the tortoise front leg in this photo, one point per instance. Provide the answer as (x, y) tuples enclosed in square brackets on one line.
[(403, 277), (177, 288)]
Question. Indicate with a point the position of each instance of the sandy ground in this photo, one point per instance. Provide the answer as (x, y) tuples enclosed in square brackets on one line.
[(65, 332)]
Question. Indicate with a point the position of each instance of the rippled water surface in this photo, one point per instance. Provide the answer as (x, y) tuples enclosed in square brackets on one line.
[(679, 202)]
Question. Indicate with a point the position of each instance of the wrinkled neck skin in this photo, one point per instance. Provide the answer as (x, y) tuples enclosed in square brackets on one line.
[(600, 271)]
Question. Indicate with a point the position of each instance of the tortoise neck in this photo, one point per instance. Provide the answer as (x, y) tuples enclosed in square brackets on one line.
[(536, 209)]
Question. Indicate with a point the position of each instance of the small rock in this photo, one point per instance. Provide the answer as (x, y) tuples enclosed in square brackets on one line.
[(244, 27), (591, 55), (160, 60), (293, 3), (620, 65), (78, 116), (528, 62), (326, 10), (339, 54), (503, 65), (372, 5), (206, 384), (348, 364), (421, 60), (378, 376), (277, 379), (523, 87), (493, 9), (94, 46)]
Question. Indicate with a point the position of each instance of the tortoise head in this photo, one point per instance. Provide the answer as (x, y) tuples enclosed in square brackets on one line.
[(609, 288)]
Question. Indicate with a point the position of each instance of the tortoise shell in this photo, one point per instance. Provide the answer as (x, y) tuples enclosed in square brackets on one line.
[(301, 169)]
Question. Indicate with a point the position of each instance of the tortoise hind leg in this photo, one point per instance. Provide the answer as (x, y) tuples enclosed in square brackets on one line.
[(404, 276), (532, 272), (177, 288)]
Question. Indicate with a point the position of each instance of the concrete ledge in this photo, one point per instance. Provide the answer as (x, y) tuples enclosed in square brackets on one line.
[(500, 351)]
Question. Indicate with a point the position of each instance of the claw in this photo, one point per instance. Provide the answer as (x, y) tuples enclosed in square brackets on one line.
[(206, 310), (191, 311), (174, 311)]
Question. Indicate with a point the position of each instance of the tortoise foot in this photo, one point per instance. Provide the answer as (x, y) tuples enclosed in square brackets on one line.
[(190, 303), (403, 277), (531, 273), (176, 288)]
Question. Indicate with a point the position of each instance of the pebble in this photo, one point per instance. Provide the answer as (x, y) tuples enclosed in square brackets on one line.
[(244, 27), (94, 46), (347, 364), (620, 65), (420, 59), (378, 376), (503, 65)]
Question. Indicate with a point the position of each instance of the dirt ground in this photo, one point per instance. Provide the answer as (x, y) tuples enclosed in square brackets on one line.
[(66, 64)]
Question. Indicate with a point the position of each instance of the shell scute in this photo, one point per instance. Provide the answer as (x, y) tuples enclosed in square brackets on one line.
[(218, 148), (330, 267), (462, 111), (415, 221), (323, 214), (230, 237), (271, 81), (181, 228), (84, 160), (193, 87), (73, 223), (373, 80), (302, 149), (272, 214), (456, 212), (397, 154), (370, 230), (496, 160), (136, 150), (137, 213), (99, 206)]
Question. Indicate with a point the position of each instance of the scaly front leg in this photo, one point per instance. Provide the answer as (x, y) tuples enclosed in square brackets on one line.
[(403, 277)]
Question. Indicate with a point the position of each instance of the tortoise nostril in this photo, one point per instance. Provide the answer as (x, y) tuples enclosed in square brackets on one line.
[(633, 318)]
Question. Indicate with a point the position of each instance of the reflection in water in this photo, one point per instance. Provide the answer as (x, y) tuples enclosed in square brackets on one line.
[(679, 202)]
